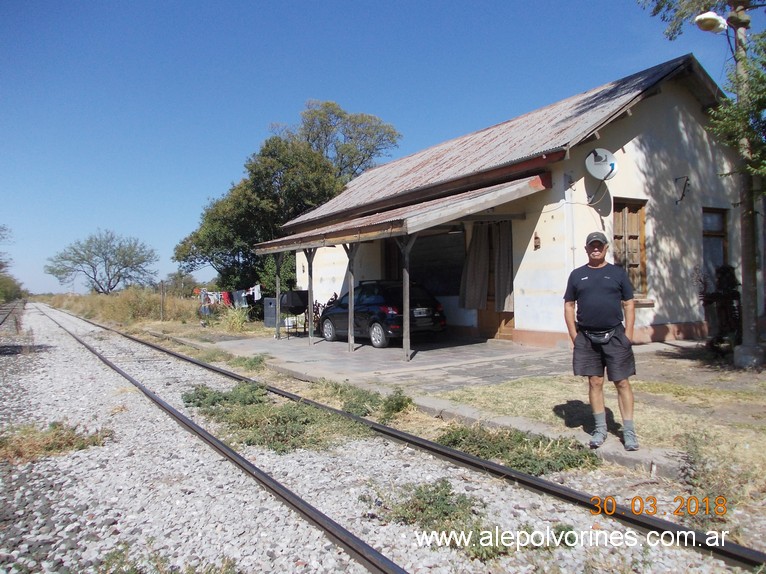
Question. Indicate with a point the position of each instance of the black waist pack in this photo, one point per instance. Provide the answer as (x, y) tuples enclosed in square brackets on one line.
[(600, 337)]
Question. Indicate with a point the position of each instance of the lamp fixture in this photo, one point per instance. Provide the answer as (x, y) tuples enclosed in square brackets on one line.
[(711, 22)]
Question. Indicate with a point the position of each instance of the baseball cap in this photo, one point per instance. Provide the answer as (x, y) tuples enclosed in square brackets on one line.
[(596, 236)]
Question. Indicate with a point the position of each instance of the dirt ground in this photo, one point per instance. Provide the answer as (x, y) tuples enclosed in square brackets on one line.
[(701, 382)]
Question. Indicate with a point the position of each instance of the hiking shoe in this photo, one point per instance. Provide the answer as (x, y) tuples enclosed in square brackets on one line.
[(630, 440), (597, 438)]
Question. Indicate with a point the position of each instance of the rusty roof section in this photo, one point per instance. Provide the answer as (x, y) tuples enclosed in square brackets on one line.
[(406, 220), (544, 134)]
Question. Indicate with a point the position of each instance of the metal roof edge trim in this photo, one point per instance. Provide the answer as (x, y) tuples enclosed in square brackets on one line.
[(307, 240), (431, 214), (503, 193), (465, 178)]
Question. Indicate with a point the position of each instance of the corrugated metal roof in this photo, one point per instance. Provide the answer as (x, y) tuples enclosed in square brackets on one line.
[(552, 128), (406, 220)]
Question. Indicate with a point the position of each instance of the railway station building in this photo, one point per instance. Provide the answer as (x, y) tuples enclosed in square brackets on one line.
[(493, 222)]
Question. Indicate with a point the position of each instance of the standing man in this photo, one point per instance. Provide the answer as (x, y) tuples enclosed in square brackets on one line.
[(602, 295)]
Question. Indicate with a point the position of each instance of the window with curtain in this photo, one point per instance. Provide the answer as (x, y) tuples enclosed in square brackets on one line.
[(629, 244)]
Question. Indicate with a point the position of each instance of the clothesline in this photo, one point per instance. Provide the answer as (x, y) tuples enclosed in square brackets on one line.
[(235, 299)]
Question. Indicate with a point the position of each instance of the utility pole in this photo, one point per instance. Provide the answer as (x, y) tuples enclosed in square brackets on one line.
[(749, 353)]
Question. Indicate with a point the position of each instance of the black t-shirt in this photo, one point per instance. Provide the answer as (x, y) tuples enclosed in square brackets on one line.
[(599, 293)]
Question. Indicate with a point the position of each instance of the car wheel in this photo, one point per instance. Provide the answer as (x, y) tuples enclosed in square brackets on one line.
[(378, 336), (328, 330)]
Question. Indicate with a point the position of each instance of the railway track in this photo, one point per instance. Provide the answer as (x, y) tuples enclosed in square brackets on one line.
[(10, 309), (365, 554), (118, 349)]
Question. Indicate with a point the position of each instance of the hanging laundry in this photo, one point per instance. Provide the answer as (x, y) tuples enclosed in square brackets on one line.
[(226, 298), (239, 298), (255, 291)]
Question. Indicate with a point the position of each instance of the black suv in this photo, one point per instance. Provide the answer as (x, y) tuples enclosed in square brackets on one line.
[(378, 313)]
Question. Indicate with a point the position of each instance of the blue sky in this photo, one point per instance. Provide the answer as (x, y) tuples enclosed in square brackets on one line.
[(131, 116)]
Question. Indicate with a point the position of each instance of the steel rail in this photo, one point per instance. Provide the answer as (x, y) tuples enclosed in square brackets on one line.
[(731, 552), (13, 305), (362, 552)]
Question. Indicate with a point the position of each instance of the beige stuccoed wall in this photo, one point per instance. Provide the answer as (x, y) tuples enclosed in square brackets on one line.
[(661, 141), (331, 266)]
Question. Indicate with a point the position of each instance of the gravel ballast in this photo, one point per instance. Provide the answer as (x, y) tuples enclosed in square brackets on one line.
[(157, 491)]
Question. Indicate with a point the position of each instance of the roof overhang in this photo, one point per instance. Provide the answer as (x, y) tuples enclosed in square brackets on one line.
[(409, 219)]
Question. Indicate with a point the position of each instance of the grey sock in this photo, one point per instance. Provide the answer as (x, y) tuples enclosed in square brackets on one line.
[(628, 426), (600, 419)]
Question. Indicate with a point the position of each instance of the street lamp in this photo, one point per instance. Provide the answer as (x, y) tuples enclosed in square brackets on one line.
[(749, 353), (711, 22)]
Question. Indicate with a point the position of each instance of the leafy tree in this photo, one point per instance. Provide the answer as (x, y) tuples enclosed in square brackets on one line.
[(679, 12), (740, 123), (10, 288), (180, 284), (736, 118), (296, 170), (229, 227), (351, 142), (285, 179), (5, 235), (286, 275), (106, 260)]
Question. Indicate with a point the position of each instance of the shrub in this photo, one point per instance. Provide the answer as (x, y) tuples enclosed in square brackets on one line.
[(232, 318)]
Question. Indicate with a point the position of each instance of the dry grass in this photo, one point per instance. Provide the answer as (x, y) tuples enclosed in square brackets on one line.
[(27, 443), (533, 398), (127, 307), (728, 456)]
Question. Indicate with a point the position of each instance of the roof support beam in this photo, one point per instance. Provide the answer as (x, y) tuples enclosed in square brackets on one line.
[(309, 253), (278, 260), (351, 251), (405, 246)]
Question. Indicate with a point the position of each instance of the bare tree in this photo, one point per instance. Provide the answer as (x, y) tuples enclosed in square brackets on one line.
[(106, 260)]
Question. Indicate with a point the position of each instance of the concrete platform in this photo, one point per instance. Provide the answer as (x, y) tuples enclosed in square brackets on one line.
[(445, 365)]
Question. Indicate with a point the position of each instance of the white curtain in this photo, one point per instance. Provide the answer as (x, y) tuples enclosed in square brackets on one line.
[(473, 283)]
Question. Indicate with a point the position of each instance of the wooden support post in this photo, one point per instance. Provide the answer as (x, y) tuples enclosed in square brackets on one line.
[(309, 253), (279, 259), (351, 252), (405, 246)]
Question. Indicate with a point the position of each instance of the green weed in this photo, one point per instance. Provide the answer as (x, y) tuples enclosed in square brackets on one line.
[(364, 403), (433, 506), (528, 453), (244, 393), (393, 404), (254, 420), (359, 402), (436, 507), (254, 363)]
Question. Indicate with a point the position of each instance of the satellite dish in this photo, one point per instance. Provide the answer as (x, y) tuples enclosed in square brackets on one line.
[(601, 164)]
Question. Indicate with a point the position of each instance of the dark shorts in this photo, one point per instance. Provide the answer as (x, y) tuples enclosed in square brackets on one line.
[(590, 360)]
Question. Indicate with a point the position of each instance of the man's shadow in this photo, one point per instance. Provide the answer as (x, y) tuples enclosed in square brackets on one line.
[(577, 414)]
